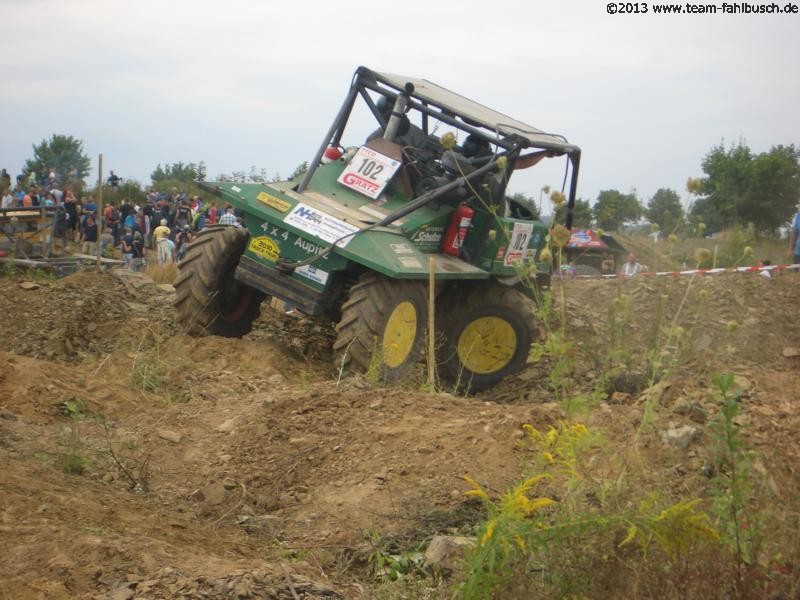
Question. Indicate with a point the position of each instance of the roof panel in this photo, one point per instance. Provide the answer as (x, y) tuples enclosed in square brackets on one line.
[(491, 119)]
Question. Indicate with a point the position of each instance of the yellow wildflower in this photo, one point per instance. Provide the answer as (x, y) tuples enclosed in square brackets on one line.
[(487, 535)]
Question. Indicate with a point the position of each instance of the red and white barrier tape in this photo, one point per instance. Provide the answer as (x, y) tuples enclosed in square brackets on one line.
[(717, 271)]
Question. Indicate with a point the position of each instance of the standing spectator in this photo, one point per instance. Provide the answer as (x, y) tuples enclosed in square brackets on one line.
[(631, 267), (182, 241), (160, 232), (89, 236), (58, 195), (127, 248), (8, 198), (106, 243), (129, 220), (166, 251), (183, 217), (794, 240), (138, 253), (212, 213), (71, 206), (125, 209), (113, 217), (228, 218), (5, 179)]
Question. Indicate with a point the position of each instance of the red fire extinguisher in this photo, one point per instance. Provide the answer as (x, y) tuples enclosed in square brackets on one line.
[(460, 222)]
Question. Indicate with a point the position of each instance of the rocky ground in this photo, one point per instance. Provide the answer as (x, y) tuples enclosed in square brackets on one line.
[(136, 462)]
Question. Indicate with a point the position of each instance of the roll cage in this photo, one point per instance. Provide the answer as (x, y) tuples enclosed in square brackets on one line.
[(509, 136)]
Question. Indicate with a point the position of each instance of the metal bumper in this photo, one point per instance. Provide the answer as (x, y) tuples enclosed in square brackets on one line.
[(280, 285)]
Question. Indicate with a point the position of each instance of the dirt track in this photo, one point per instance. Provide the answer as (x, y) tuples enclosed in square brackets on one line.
[(253, 470)]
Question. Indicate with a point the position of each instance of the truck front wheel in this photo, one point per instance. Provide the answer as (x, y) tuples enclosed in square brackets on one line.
[(208, 300), (488, 335)]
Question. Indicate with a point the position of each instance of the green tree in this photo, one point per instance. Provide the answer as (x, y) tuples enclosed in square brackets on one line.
[(184, 173), (741, 188), (613, 209), (581, 214), (665, 209), (63, 153)]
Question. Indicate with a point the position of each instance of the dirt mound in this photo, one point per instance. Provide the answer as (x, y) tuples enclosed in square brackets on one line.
[(738, 320), (145, 463)]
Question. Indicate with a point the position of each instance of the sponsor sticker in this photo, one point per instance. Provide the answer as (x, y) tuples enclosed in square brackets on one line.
[(320, 224), (401, 248), (273, 202), (520, 238), (368, 172), (313, 273), (427, 236), (236, 188), (265, 247), (410, 262)]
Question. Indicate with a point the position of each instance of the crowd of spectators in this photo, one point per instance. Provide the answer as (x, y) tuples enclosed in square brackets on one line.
[(161, 226)]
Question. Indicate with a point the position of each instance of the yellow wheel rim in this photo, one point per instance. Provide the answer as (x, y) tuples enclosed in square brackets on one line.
[(399, 334), (486, 345)]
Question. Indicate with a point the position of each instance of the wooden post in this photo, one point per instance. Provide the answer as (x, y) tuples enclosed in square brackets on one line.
[(431, 323), (99, 220)]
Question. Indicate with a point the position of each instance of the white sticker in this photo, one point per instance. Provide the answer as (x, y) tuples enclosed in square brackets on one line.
[(368, 172), (313, 273), (236, 188), (410, 262), (401, 249), (520, 238), (320, 224)]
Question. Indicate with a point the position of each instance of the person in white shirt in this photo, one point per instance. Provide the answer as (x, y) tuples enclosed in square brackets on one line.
[(8, 199), (631, 267)]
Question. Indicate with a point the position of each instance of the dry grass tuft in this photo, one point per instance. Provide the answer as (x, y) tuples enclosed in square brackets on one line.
[(167, 273)]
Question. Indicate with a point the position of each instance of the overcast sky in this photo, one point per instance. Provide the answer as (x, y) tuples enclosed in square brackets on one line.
[(243, 83)]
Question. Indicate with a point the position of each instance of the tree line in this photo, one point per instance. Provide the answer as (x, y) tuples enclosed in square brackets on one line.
[(738, 188)]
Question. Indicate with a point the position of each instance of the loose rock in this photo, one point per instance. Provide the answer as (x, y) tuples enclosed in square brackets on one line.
[(445, 552), (680, 437), (170, 436)]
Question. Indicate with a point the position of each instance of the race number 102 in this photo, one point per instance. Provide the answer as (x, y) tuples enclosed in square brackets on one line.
[(369, 168), (630, 8)]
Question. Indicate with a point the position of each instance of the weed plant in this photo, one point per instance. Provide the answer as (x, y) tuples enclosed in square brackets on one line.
[(549, 532)]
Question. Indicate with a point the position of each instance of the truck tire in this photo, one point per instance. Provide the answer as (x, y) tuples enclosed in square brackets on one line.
[(208, 300), (383, 326), (488, 335)]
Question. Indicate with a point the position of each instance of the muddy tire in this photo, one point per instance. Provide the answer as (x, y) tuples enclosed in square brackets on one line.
[(383, 326), (488, 335), (208, 300)]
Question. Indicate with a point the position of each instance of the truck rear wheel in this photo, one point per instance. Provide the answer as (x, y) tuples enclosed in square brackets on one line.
[(488, 335), (383, 326), (208, 300)]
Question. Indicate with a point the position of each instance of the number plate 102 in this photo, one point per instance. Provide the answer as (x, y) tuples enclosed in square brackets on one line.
[(369, 172)]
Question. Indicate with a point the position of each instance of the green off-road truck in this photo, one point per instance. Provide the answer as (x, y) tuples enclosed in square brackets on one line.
[(352, 238)]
